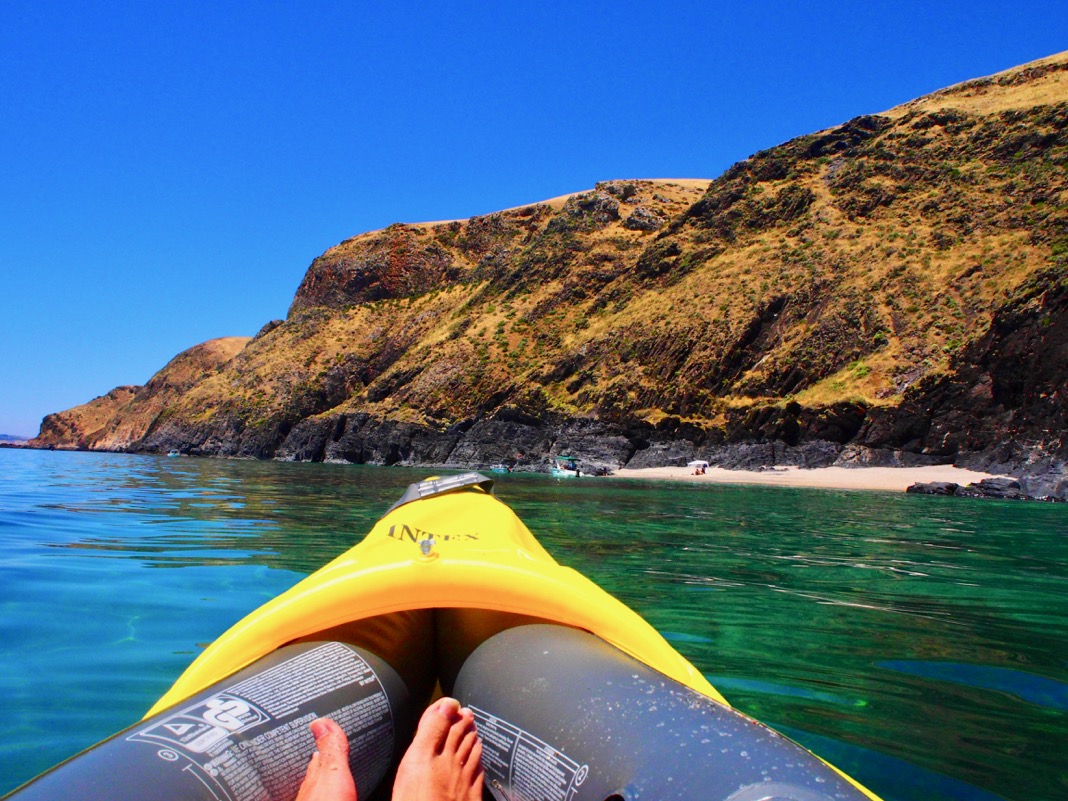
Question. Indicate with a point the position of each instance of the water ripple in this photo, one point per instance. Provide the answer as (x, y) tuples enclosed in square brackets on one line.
[(918, 642)]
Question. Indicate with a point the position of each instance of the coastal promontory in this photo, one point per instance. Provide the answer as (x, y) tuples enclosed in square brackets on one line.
[(891, 291)]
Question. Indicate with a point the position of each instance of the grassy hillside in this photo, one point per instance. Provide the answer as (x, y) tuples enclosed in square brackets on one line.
[(823, 290)]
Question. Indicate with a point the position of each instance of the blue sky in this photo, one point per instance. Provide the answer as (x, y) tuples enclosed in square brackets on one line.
[(169, 170)]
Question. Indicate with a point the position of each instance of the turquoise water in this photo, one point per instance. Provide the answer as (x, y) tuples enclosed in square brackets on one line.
[(919, 643)]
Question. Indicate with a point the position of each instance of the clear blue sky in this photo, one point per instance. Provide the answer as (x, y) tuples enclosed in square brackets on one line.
[(169, 170)]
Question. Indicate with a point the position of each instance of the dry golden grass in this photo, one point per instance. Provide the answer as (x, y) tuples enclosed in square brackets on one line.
[(991, 95)]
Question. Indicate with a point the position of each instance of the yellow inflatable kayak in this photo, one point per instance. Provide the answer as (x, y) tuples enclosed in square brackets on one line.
[(576, 697)]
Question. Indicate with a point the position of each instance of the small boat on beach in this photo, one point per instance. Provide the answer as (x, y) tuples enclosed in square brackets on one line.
[(575, 696), (565, 467)]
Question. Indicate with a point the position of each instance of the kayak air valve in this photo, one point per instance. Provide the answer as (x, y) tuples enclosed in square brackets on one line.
[(427, 547)]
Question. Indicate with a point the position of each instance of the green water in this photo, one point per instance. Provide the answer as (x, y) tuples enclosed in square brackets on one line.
[(921, 644)]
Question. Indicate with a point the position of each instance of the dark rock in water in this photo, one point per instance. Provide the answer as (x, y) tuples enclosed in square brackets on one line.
[(1051, 485), (1004, 488), (1042, 476), (934, 488), (992, 488)]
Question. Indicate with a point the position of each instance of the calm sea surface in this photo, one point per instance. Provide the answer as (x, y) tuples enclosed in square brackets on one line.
[(921, 644)]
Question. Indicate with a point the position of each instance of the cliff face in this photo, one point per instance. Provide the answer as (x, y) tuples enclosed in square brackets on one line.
[(888, 291), (121, 419), (77, 428)]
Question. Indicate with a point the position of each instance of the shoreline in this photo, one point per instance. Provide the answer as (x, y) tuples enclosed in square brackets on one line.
[(889, 479), (885, 479)]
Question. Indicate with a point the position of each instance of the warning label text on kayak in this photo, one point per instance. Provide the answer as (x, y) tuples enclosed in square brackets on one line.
[(197, 728), (520, 767), (251, 740)]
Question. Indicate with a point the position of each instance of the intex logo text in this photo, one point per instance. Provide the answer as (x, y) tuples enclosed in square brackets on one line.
[(415, 534)]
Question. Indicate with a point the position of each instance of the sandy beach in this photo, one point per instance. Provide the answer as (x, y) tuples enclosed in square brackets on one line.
[(894, 479)]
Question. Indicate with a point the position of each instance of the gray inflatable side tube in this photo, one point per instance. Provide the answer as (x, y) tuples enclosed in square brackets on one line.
[(247, 737), (563, 716)]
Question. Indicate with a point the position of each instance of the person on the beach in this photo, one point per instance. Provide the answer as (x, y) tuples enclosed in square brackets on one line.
[(443, 763)]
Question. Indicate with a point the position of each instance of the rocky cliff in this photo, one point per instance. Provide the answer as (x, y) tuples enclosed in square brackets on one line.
[(889, 291), (121, 419)]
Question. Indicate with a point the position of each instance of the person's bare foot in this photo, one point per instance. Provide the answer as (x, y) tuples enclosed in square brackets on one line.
[(329, 777), (443, 762)]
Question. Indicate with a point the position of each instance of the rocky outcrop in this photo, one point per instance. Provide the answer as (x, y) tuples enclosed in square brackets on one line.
[(1004, 404), (394, 263), (641, 219), (1001, 488)]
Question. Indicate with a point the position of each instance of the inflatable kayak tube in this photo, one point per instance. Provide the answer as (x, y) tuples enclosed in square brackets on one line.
[(247, 737), (576, 697)]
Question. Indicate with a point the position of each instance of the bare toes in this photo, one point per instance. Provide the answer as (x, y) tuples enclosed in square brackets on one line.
[(459, 730), (328, 777), (467, 744), (436, 724), (472, 765), (444, 760)]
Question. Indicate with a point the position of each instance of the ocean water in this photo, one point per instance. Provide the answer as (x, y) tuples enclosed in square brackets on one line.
[(919, 643)]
